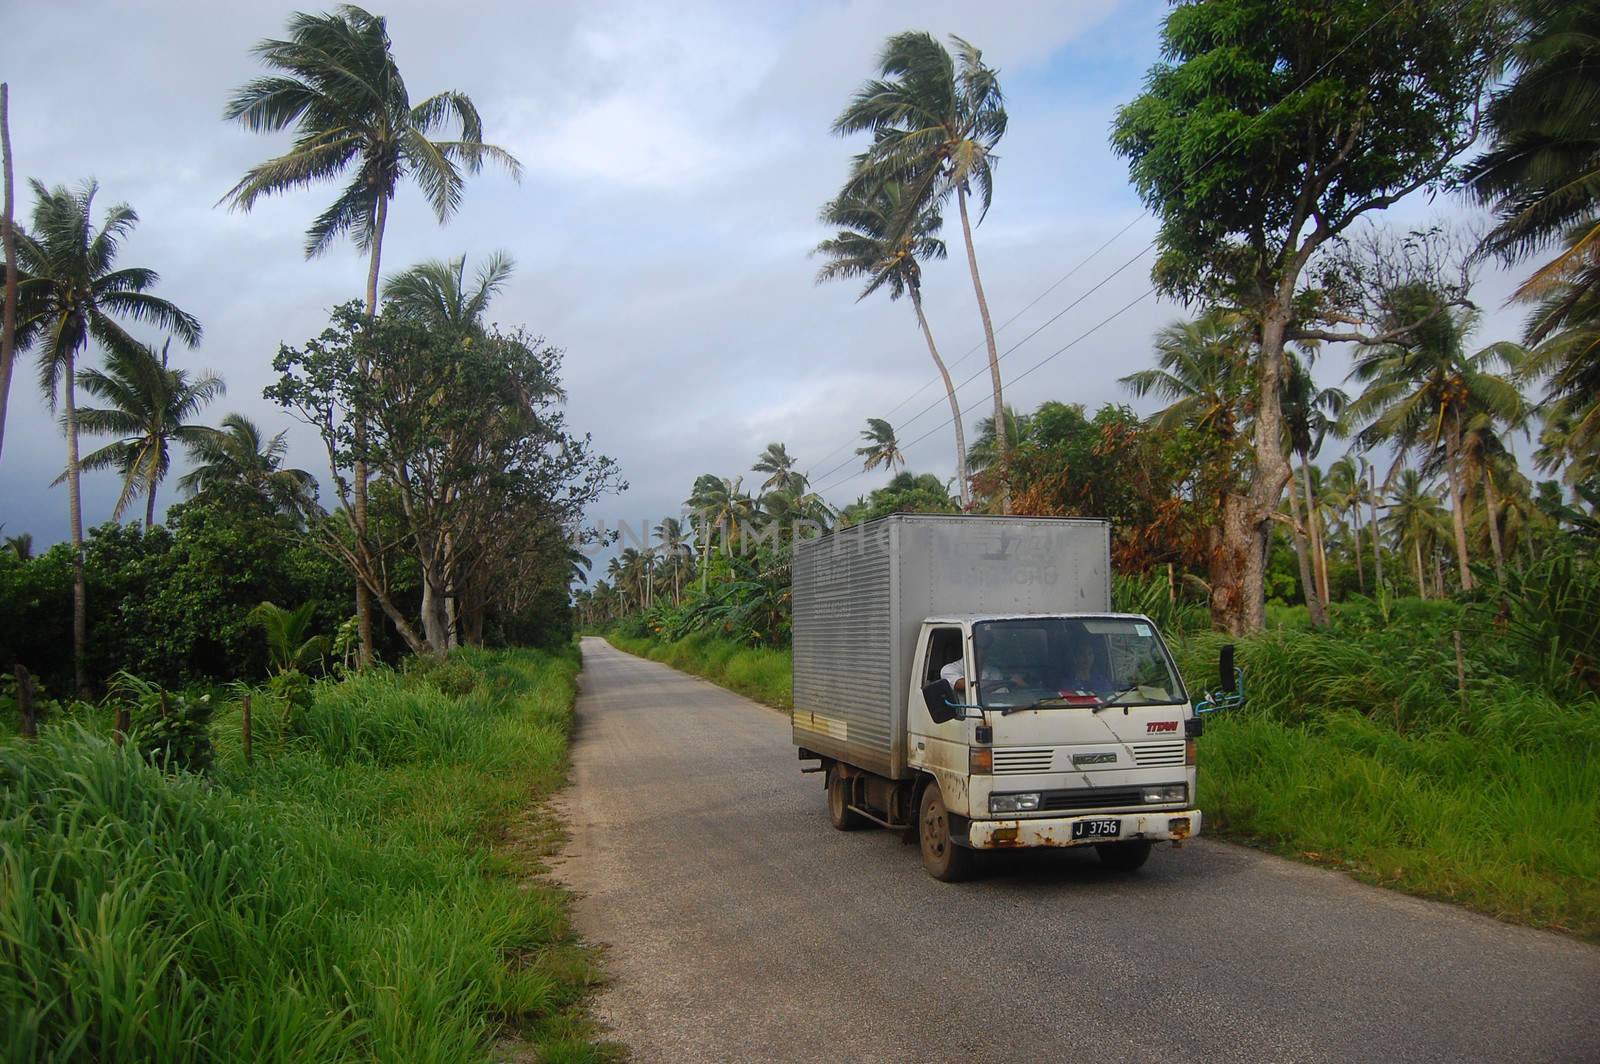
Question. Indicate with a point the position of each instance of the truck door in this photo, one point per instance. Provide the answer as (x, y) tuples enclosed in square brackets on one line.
[(938, 746)]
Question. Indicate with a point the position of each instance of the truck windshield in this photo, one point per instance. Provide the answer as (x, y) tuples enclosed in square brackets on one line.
[(1072, 661)]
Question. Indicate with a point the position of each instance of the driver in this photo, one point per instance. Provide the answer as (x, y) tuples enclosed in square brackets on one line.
[(1084, 672), (956, 672)]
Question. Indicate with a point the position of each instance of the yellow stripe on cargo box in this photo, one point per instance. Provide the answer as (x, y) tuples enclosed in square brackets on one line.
[(832, 727)]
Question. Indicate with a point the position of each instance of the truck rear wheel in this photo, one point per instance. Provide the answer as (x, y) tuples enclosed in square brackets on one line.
[(1123, 856), (839, 812), (943, 859)]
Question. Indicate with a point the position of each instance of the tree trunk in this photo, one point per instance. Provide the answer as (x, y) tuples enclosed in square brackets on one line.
[(1271, 472), (80, 595), (1308, 584), (955, 406), (8, 239), (1357, 530), (1377, 542), (1001, 444), (1422, 588), (1491, 499), (150, 506), (1319, 553), (363, 597), (1458, 516), (1438, 576), (1227, 572)]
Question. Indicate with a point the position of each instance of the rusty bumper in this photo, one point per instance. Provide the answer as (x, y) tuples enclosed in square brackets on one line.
[(1172, 825)]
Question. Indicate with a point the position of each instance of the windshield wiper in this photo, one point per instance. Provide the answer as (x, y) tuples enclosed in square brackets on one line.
[(1117, 698), (1043, 703)]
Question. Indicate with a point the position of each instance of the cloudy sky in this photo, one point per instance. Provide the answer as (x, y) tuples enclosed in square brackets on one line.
[(675, 156)]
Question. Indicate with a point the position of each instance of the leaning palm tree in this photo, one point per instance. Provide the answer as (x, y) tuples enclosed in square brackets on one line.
[(867, 249), (149, 406), (778, 464), (238, 456), (76, 294), (1418, 398), (935, 122), (882, 449), (336, 83), (437, 293)]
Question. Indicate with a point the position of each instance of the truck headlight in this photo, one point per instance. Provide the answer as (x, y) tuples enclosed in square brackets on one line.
[(1166, 793), (1013, 803)]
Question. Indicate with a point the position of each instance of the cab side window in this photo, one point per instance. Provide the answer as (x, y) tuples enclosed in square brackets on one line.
[(944, 646)]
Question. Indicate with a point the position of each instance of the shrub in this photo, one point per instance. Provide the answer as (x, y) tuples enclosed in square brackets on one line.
[(170, 729)]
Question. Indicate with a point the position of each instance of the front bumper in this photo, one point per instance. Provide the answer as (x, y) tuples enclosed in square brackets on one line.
[(1170, 825)]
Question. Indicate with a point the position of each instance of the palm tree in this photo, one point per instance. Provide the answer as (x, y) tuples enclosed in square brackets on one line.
[(1202, 371), (777, 463), (1309, 414), (436, 292), (21, 545), (717, 502), (150, 405), (865, 248), (935, 122), (336, 83), (1416, 521), (984, 453), (1485, 459), (1345, 490), (882, 448), (237, 456), (76, 294), (674, 540), (290, 644), (1420, 396)]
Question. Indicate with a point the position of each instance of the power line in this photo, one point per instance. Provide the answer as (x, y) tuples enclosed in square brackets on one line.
[(1214, 157)]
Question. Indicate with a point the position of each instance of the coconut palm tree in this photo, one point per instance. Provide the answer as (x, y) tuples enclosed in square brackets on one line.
[(778, 464), (149, 406), (673, 541), (865, 248), (76, 293), (1416, 520), (935, 122), (984, 454), (21, 545), (882, 448), (238, 456), (1202, 371), (436, 291), (336, 83), (717, 502), (1345, 491), (1419, 397), (1309, 414), (290, 645)]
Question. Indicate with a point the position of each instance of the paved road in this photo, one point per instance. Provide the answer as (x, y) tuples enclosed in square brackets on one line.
[(740, 927)]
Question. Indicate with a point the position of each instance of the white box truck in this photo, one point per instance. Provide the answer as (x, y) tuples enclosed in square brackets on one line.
[(965, 678)]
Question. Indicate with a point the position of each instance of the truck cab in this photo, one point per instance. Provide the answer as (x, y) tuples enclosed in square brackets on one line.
[(1048, 730)]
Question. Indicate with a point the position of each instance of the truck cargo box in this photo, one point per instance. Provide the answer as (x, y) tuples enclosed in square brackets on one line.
[(862, 593)]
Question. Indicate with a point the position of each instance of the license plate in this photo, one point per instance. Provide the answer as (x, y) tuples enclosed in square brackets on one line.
[(1097, 829)]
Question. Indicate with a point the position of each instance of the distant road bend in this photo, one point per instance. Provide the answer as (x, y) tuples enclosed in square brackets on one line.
[(740, 927)]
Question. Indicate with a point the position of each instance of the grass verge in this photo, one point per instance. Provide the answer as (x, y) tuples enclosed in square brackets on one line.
[(364, 890), (760, 673)]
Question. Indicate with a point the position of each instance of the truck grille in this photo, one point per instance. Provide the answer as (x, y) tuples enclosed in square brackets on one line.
[(1096, 799), (1022, 760), (1153, 755)]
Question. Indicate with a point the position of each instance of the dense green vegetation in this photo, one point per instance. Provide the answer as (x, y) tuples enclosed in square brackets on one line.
[(761, 673), (365, 888)]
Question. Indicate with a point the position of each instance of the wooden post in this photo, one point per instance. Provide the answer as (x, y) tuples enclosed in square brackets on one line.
[(120, 730), (30, 721), (247, 743), (1461, 675)]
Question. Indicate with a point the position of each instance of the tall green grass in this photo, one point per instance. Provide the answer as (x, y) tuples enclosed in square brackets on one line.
[(761, 673), (355, 894)]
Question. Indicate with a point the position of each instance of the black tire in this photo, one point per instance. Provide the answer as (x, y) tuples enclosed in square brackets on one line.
[(941, 857), (1123, 856), (839, 814)]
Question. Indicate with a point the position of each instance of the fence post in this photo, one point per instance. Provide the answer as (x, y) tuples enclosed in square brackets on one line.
[(247, 741), (30, 722), (1461, 675), (120, 730)]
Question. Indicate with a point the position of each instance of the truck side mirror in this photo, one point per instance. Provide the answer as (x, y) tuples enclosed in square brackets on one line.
[(1230, 682), (937, 696)]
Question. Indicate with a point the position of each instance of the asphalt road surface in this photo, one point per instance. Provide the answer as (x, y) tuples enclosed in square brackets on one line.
[(738, 926)]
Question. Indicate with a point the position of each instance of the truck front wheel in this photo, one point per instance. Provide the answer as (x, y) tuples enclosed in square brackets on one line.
[(839, 812), (1123, 856), (944, 860)]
